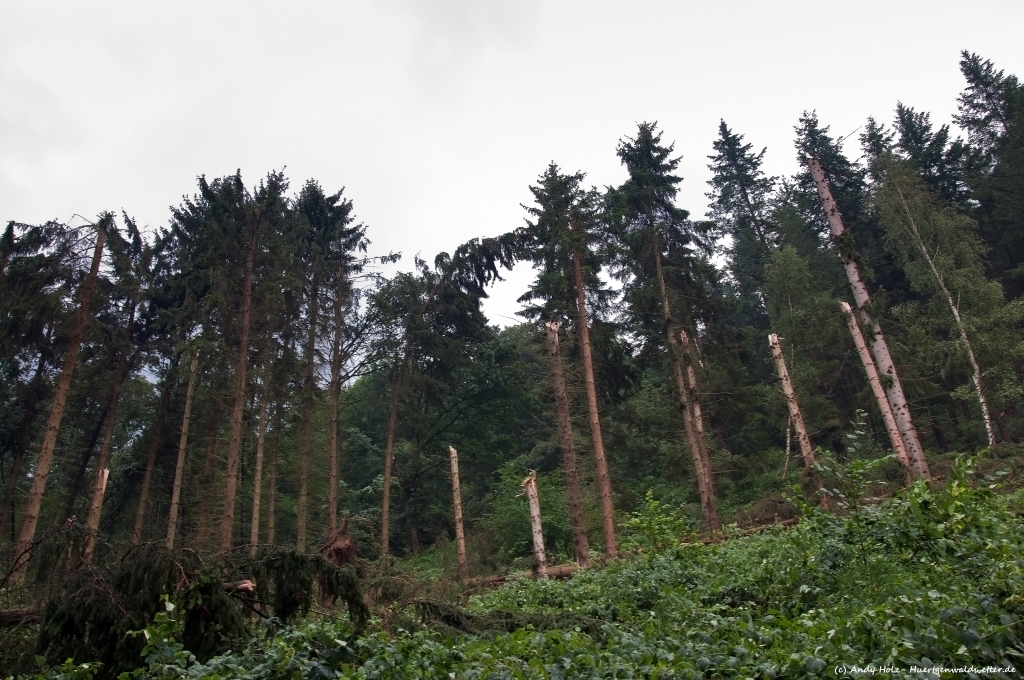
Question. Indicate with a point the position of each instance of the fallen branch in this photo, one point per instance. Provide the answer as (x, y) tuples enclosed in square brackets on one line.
[(16, 617)]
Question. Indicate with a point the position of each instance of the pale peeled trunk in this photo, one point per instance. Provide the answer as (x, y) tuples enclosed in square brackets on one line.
[(570, 464), (179, 466), (975, 369), (530, 487), (257, 482), (891, 429), (227, 522), (698, 426), (879, 348), (794, 413), (42, 468), (460, 536), (147, 476)]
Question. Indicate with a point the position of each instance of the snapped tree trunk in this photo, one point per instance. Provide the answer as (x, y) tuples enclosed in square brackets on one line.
[(154, 447), (227, 521), (570, 465), (42, 467), (460, 536), (876, 388), (603, 478), (179, 466), (953, 307), (798, 420), (530, 487), (257, 480), (83, 464), (698, 431), (306, 446), (879, 348)]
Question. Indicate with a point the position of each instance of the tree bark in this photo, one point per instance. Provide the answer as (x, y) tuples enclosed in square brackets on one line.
[(206, 481), (879, 348), (460, 536), (339, 320), (257, 481), (530, 487), (389, 455), (975, 369), (272, 492), (603, 478), (876, 388), (154, 447), (698, 427), (228, 517), (179, 466), (83, 464), (797, 418), (570, 465), (306, 446), (42, 468)]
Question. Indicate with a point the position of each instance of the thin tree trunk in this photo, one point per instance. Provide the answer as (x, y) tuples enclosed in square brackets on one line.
[(389, 455), (154, 447), (698, 426), (42, 468), (460, 536), (975, 369), (604, 480), (798, 420), (707, 501), (257, 481), (530, 487), (272, 492), (339, 320), (179, 466), (83, 463), (206, 480), (570, 465), (228, 517), (306, 446), (879, 348), (876, 388)]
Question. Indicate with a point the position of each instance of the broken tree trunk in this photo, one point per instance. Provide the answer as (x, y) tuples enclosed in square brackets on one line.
[(876, 388), (42, 468), (603, 478), (879, 348), (530, 487), (798, 421), (460, 536), (179, 467), (698, 431), (570, 464)]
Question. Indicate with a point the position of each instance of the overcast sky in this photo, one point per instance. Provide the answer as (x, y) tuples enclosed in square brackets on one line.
[(437, 115)]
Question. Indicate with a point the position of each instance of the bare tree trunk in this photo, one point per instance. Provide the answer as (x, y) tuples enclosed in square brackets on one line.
[(257, 481), (876, 388), (339, 320), (206, 480), (798, 420), (698, 423), (893, 388), (42, 468), (389, 456), (228, 517), (306, 445), (460, 536), (789, 445), (154, 447), (604, 480), (83, 464), (975, 369), (272, 495), (707, 500), (570, 465), (530, 487), (179, 467)]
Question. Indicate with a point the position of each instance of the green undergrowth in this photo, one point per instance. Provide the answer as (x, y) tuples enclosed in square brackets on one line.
[(930, 576)]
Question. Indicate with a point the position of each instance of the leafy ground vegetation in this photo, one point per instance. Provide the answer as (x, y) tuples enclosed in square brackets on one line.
[(931, 576)]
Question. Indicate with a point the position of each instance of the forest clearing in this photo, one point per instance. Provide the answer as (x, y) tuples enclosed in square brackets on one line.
[(779, 441)]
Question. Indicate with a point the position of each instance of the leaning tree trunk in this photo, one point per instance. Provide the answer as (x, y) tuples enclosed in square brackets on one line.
[(228, 517), (701, 466), (257, 479), (570, 464), (83, 464), (893, 388), (876, 387), (179, 466), (603, 479), (975, 369), (306, 445), (460, 535), (154, 447), (530, 487), (698, 431), (42, 467), (797, 418)]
